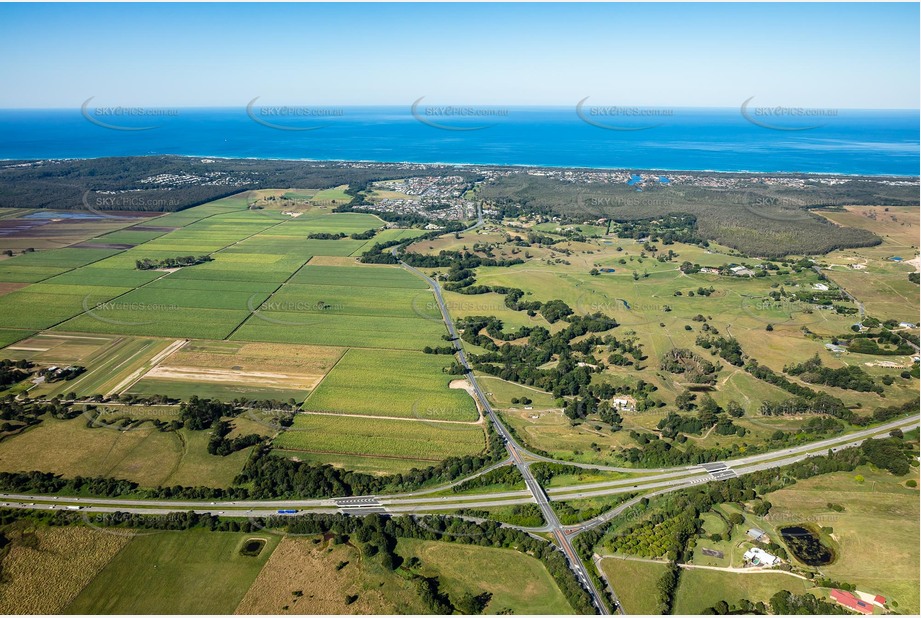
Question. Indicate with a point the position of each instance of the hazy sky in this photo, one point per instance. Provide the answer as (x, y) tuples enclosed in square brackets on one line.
[(176, 55)]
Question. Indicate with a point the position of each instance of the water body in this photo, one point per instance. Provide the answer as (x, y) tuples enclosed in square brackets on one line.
[(852, 142), (806, 546)]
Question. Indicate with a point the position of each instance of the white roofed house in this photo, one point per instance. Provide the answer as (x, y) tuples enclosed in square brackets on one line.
[(760, 558)]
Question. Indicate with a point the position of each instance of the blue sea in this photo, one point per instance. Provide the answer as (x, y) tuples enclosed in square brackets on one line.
[(884, 142)]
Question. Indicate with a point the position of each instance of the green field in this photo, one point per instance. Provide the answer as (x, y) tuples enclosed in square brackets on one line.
[(144, 455), (391, 383), (699, 589), (634, 582), (519, 584), (417, 441), (189, 572)]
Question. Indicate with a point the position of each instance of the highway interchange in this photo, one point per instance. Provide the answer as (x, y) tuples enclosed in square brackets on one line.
[(646, 482)]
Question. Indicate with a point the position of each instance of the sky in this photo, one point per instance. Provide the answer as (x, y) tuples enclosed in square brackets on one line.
[(680, 55)]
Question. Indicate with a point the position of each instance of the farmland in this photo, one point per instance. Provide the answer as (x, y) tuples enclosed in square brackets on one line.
[(48, 567), (518, 583), (413, 440), (144, 454), (203, 571), (364, 382), (639, 595), (308, 565)]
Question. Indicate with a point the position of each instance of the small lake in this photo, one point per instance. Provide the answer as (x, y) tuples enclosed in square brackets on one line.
[(806, 546)]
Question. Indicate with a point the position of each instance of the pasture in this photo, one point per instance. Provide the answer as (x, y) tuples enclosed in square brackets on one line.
[(392, 383), (519, 583), (634, 582), (188, 572), (143, 454), (309, 565), (421, 443)]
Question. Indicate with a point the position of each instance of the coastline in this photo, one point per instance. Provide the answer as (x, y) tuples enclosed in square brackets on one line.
[(511, 166)]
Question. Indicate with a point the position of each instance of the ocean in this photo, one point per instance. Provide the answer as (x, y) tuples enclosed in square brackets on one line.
[(884, 142)]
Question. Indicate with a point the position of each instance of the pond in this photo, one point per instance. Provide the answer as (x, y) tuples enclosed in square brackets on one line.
[(252, 547), (806, 546)]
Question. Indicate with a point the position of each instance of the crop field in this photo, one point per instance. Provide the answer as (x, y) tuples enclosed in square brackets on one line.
[(157, 321), (519, 583), (8, 336), (416, 441), (45, 310), (203, 572), (227, 370), (391, 383), (319, 328), (47, 567), (365, 276)]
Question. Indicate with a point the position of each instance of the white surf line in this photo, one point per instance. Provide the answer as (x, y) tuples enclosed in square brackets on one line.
[(132, 379)]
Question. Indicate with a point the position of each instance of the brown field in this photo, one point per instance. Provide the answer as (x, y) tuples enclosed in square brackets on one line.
[(6, 288), (305, 363), (332, 260), (144, 455), (305, 565), (46, 568)]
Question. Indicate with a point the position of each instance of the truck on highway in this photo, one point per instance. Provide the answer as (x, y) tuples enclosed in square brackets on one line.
[(287, 511)]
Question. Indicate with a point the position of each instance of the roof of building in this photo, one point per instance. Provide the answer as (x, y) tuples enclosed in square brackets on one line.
[(849, 600)]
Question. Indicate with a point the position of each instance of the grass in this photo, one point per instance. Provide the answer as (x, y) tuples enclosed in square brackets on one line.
[(634, 582), (417, 441), (392, 383), (189, 572), (308, 565), (699, 589), (144, 455), (517, 582), (8, 336), (876, 537)]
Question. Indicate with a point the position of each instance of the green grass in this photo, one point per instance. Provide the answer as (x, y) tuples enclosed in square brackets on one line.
[(634, 582), (144, 455), (359, 277), (189, 572), (8, 337), (322, 328), (876, 537), (391, 383), (517, 582), (699, 589), (342, 435), (157, 320)]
